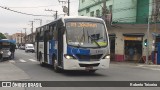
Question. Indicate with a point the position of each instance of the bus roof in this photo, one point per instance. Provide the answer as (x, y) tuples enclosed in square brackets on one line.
[(9, 41), (81, 18), (75, 18)]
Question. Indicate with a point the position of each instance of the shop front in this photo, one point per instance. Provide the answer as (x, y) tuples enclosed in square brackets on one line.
[(133, 46)]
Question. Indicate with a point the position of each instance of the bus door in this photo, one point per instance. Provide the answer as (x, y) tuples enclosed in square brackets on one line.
[(46, 46), (60, 45), (37, 45)]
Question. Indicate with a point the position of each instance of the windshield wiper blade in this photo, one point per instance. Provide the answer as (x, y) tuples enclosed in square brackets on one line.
[(94, 41)]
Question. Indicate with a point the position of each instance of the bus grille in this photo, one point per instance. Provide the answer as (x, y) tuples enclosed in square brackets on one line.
[(89, 65), (89, 57)]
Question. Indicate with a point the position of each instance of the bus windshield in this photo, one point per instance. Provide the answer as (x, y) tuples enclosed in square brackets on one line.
[(86, 34), (5, 45)]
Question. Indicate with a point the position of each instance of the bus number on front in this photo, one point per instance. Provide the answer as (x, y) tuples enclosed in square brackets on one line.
[(82, 24)]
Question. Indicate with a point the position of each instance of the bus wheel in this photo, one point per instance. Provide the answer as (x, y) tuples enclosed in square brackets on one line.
[(40, 60), (55, 66)]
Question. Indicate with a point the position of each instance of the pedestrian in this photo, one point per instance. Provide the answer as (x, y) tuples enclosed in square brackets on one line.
[(12, 50), (131, 53), (1, 53)]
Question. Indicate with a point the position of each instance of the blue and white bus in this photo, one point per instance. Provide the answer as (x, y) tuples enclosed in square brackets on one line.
[(74, 43)]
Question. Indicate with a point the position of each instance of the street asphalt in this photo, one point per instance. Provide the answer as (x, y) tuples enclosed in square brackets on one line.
[(26, 68)]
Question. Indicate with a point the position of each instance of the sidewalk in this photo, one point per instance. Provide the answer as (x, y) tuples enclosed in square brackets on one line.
[(143, 65), (9, 72)]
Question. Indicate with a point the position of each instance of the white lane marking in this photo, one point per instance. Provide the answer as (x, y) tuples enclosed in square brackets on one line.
[(21, 60), (26, 54), (140, 65), (151, 68), (11, 61), (32, 60), (155, 69)]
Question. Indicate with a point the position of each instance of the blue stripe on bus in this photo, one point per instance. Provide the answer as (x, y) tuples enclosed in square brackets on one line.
[(52, 50), (78, 51), (74, 51)]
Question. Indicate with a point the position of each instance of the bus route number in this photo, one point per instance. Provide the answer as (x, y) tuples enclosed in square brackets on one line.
[(82, 24)]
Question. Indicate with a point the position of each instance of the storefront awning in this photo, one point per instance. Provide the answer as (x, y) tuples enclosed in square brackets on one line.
[(112, 35), (134, 34)]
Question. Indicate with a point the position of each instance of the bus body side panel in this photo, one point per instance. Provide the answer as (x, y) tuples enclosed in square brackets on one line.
[(35, 46), (64, 48), (48, 48)]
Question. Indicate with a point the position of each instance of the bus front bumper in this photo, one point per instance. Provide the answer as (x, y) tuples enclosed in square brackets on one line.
[(74, 64)]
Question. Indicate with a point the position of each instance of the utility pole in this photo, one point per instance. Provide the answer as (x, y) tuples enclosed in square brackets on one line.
[(147, 49), (104, 10), (68, 7), (53, 11), (25, 34), (32, 31), (155, 15), (21, 37)]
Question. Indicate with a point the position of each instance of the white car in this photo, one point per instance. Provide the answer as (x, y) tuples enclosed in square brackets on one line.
[(29, 48)]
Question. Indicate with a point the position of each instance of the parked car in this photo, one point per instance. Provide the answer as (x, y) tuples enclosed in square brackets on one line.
[(29, 48), (22, 47)]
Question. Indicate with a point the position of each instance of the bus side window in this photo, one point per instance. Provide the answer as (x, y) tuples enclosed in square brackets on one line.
[(50, 33), (41, 34), (55, 33)]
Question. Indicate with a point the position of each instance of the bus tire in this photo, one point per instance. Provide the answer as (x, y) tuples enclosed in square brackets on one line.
[(40, 60), (55, 66)]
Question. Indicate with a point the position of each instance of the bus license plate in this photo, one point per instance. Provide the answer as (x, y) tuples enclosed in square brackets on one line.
[(89, 68)]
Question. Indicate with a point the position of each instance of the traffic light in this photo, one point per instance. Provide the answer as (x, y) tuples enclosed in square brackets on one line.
[(145, 42)]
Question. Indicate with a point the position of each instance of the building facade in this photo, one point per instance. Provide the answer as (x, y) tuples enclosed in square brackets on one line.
[(31, 38), (129, 24), (19, 38)]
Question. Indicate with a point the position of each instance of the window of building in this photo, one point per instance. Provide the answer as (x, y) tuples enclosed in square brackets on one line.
[(83, 1), (92, 14), (110, 8), (97, 13), (87, 10)]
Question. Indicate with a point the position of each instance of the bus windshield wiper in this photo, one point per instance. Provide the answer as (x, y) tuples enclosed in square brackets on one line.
[(93, 40)]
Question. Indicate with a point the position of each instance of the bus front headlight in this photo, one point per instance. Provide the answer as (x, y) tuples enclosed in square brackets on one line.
[(69, 57), (106, 57), (1, 52)]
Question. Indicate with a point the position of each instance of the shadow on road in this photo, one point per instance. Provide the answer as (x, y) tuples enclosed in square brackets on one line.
[(81, 73), (74, 72)]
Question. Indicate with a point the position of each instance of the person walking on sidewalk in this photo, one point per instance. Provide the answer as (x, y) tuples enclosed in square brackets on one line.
[(131, 53), (1, 53), (12, 50)]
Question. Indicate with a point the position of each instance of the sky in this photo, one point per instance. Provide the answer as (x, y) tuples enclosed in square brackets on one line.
[(12, 22)]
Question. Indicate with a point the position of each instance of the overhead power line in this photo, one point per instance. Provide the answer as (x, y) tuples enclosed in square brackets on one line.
[(6, 8), (35, 6)]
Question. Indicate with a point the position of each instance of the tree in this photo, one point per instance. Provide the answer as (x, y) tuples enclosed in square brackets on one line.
[(2, 36)]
